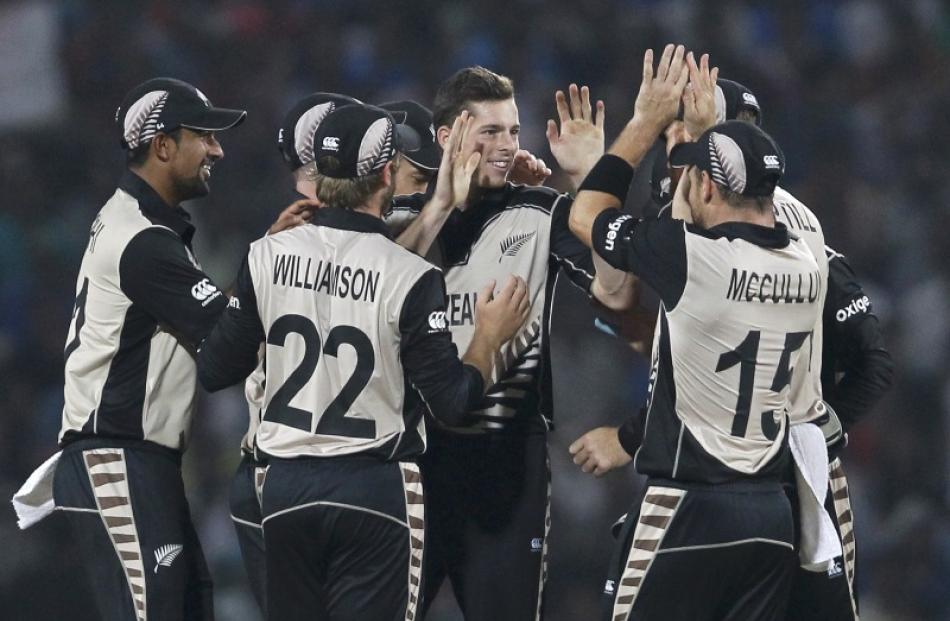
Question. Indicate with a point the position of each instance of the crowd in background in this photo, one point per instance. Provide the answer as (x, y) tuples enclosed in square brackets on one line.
[(854, 91)]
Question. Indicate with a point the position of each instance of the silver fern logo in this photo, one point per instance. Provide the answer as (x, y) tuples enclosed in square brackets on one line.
[(727, 162), (166, 555), (511, 245), (141, 120), (376, 148)]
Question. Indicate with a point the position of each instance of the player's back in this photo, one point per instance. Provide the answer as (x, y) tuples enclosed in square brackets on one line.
[(330, 301), (807, 403), (725, 353)]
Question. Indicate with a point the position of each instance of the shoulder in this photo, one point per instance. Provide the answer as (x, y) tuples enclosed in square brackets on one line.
[(535, 197), (409, 202)]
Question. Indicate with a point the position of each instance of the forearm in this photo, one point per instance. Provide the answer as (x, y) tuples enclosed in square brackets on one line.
[(481, 355), (862, 387), (419, 236), (223, 362), (615, 289)]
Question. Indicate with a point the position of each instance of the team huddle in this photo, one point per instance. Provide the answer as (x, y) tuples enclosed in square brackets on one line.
[(392, 334)]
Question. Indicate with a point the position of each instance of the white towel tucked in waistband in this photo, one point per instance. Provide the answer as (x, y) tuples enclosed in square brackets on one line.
[(34, 500), (819, 541)]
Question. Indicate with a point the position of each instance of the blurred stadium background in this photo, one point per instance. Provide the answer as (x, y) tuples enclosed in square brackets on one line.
[(855, 91)]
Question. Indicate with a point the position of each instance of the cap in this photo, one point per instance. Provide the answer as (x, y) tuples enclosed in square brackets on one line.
[(358, 140), (164, 105), (737, 155), (733, 98), (295, 137), (419, 118)]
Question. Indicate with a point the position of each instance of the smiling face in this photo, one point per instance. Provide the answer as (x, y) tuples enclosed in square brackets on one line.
[(494, 134), (191, 159)]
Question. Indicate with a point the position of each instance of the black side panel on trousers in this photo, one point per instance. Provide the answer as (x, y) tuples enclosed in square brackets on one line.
[(246, 516), (487, 498), (728, 546), (338, 545), (127, 512), (829, 595)]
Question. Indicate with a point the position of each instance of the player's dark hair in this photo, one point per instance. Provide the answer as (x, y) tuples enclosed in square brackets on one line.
[(469, 85), (738, 201), (135, 158)]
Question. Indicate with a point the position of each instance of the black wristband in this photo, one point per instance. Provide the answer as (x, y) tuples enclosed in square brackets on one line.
[(611, 174)]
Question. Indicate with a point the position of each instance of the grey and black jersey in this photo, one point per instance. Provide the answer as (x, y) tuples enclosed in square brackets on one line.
[(739, 303), (857, 368), (356, 342), (512, 230), (142, 305), (800, 221)]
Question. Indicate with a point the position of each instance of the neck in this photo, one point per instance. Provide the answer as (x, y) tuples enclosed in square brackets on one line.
[(307, 187), (723, 213), (374, 207), (159, 183)]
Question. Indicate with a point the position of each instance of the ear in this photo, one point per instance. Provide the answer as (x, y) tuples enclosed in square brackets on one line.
[(442, 135), (388, 174), (709, 188), (161, 147)]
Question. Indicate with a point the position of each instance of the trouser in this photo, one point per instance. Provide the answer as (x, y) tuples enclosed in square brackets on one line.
[(343, 539), (128, 515), (830, 595), (703, 552), (245, 501), (488, 504)]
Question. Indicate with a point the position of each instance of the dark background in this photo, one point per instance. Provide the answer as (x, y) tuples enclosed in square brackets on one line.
[(856, 93)]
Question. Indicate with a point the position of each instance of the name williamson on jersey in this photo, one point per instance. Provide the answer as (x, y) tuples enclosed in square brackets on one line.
[(337, 280)]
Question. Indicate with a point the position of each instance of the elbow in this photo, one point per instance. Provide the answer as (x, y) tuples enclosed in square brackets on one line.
[(209, 379), (886, 369)]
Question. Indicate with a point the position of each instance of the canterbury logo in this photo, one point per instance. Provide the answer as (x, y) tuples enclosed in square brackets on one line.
[(331, 143), (771, 161), (513, 244), (166, 555), (203, 290), (437, 321)]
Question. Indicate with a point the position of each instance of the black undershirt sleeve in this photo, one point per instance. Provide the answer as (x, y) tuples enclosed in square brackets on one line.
[(429, 357), (653, 249), (857, 369), (571, 255), (229, 354), (157, 275)]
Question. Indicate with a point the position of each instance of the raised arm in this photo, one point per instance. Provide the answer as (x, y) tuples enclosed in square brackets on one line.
[(451, 190), (656, 106)]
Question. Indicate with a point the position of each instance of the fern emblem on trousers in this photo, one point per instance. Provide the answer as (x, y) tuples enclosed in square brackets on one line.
[(166, 555)]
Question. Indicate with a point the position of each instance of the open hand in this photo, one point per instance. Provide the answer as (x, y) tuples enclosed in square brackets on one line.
[(599, 451), (459, 163), (296, 214), (579, 142), (500, 315), (699, 97), (660, 91), (528, 169)]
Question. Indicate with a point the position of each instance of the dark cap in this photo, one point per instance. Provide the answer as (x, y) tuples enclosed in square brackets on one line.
[(733, 98), (419, 118), (295, 138), (164, 105), (737, 155), (358, 140)]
